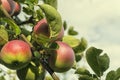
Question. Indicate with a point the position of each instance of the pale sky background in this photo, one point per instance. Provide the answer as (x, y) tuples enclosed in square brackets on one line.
[(98, 21)]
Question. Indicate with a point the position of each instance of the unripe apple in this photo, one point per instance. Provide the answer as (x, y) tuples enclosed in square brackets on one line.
[(9, 6), (15, 54), (17, 8), (42, 27), (62, 59)]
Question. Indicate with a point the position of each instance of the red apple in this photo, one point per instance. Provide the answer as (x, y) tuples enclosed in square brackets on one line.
[(17, 8), (42, 27), (62, 59), (15, 54), (9, 6)]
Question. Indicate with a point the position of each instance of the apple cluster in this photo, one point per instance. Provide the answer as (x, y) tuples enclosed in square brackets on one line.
[(17, 53), (61, 59), (12, 7)]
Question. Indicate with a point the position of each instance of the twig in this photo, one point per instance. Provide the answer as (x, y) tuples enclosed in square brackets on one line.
[(30, 20), (26, 40), (47, 67)]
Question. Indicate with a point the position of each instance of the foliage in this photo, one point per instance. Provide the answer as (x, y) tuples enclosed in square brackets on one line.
[(13, 27)]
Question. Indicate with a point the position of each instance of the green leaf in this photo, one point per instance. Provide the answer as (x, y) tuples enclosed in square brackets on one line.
[(38, 15), (3, 36), (71, 41), (103, 62), (77, 45), (53, 18), (98, 63), (118, 74), (86, 77), (51, 2), (41, 39), (82, 71), (82, 46), (2, 78), (78, 56), (71, 31), (111, 75), (13, 25), (65, 25)]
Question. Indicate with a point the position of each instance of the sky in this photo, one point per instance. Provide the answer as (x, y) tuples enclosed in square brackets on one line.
[(98, 21)]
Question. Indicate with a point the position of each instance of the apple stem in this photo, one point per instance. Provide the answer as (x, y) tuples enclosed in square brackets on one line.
[(47, 67)]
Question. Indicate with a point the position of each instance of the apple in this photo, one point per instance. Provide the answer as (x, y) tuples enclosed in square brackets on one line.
[(15, 54), (9, 6), (17, 8), (42, 27), (62, 59)]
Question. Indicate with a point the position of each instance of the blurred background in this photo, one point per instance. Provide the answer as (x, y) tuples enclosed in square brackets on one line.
[(98, 21)]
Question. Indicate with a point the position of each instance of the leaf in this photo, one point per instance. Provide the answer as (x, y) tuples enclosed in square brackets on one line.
[(82, 46), (41, 39), (3, 36), (38, 15), (65, 25), (77, 45), (118, 74), (13, 25), (98, 63), (53, 18), (71, 31), (51, 2), (111, 75), (86, 77), (78, 56), (104, 62), (71, 41), (82, 71)]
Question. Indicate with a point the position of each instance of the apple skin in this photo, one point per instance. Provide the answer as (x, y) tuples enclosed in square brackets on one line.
[(17, 8), (42, 27), (62, 59), (9, 6), (15, 54)]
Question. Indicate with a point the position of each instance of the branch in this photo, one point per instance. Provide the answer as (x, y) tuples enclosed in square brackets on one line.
[(43, 61), (47, 67), (30, 20)]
